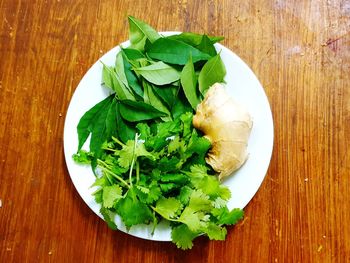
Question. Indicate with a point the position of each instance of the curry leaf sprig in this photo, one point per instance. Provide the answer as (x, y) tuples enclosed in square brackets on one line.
[(148, 159)]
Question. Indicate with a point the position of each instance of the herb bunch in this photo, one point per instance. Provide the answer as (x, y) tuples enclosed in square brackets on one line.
[(148, 159)]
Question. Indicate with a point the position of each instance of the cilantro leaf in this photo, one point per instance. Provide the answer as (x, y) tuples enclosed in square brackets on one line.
[(200, 201), (185, 194), (175, 178), (168, 207), (182, 236), (132, 211), (107, 215), (176, 145), (154, 193), (219, 202), (111, 194), (83, 157), (167, 187), (215, 232), (194, 220), (227, 217), (127, 153)]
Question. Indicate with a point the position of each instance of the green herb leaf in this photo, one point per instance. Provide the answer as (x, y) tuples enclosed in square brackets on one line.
[(152, 99), (88, 120), (207, 46), (127, 153), (131, 79), (193, 39), (83, 157), (227, 217), (132, 211), (111, 194), (180, 106), (107, 215), (168, 207), (159, 73), (119, 69), (182, 236), (213, 71), (193, 219), (189, 83), (200, 201), (167, 93), (125, 131), (112, 81), (134, 111), (139, 31), (215, 232), (132, 54), (153, 195), (175, 52)]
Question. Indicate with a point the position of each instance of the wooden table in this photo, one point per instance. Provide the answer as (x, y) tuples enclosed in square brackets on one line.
[(300, 51)]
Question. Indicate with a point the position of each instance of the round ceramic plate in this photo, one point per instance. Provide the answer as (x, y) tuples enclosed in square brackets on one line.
[(242, 85)]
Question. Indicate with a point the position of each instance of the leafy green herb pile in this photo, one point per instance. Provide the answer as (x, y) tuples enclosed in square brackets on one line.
[(148, 159)]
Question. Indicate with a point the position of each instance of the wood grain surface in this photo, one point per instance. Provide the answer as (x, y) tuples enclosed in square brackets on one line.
[(300, 51)]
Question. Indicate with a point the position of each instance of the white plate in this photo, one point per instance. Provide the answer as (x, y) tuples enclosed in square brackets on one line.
[(242, 84)]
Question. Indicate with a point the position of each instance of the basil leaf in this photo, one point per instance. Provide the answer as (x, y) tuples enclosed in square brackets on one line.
[(193, 39), (112, 81), (139, 31), (213, 71), (207, 46), (189, 84), (174, 52), (88, 121), (158, 73), (138, 111)]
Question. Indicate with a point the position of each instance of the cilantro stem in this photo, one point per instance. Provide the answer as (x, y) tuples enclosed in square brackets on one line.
[(104, 168), (117, 141), (133, 158), (137, 171), (109, 149)]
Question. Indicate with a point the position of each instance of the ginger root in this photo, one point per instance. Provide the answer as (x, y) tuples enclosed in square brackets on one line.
[(227, 125)]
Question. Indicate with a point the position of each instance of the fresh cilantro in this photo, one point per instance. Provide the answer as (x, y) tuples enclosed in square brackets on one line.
[(111, 194), (182, 236), (193, 219), (108, 217), (83, 157), (127, 153), (132, 211), (200, 201), (168, 207), (227, 217), (215, 232)]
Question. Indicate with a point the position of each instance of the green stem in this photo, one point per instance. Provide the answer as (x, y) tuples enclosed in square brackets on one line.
[(133, 159), (137, 171), (104, 167), (109, 149), (117, 141)]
